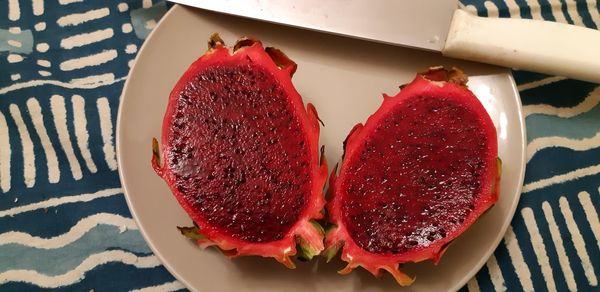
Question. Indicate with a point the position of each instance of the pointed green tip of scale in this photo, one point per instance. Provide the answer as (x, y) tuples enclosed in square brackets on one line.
[(191, 233), (330, 252)]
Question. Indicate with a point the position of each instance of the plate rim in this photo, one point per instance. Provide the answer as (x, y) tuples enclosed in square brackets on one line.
[(149, 242), (468, 276)]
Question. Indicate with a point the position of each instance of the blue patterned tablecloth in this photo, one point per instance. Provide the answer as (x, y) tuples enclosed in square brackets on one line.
[(64, 223)]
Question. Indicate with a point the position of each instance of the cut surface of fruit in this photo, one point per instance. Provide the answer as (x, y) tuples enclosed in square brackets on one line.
[(240, 153), (420, 171)]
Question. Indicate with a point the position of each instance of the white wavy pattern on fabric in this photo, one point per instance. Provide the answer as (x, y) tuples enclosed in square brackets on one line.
[(166, 287), (539, 83), (77, 231), (555, 141), (77, 274), (89, 82), (60, 201), (590, 102), (561, 178)]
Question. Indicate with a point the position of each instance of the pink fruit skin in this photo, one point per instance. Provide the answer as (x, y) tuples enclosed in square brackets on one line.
[(411, 185), (226, 198)]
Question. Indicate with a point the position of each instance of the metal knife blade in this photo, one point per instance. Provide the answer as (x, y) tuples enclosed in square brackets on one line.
[(436, 25), (420, 24)]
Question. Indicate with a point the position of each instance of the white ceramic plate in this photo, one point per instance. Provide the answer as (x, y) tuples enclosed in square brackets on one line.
[(344, 78)]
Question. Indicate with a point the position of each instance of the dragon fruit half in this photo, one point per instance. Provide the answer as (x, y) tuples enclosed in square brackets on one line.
[(240, 153), (419, 172)]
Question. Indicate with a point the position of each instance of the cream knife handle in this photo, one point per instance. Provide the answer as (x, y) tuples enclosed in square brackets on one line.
[(539, 46)]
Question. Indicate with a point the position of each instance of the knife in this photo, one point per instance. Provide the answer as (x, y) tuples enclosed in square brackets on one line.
[(436, 25)]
